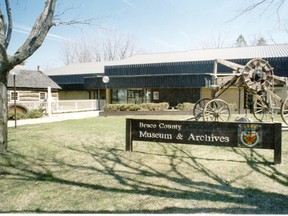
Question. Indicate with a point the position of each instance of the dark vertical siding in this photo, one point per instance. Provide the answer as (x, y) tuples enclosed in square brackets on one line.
[(171, 75), (280, 65), (71, 82), (161, 68), (164, 81)]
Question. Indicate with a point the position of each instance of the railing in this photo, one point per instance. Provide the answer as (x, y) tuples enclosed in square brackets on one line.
[(62, 105), (76, 105)]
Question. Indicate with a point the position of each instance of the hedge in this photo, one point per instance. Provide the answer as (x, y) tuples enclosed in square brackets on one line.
[(186, 106), (136, 107)]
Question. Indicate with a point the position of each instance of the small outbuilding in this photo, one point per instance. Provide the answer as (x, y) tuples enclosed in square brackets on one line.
[(30, 89)]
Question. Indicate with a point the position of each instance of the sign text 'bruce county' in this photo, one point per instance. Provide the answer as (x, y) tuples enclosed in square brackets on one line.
[(230, 134)]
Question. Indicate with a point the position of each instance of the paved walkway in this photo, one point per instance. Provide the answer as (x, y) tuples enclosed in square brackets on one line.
[(55, 117)]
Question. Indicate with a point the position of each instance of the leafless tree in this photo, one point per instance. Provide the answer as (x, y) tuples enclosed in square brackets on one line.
[(46, 20), (215, 41), (109, 46), (220, 41), (7, 62), (79, 51)]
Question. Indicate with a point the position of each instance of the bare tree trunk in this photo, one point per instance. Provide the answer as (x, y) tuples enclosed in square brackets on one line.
[(33, 42), (7, 62), (3, 113)]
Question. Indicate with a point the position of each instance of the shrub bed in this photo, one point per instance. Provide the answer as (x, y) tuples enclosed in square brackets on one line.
[(136, 107), (185, 106), (121, 107), (37, 113), (154, 106)]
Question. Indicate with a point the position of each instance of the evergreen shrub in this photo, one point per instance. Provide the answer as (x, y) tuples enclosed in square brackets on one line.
[(36, 113), (186, 106)]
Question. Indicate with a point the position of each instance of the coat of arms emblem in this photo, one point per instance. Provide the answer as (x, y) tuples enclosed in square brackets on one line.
[(249, 135)]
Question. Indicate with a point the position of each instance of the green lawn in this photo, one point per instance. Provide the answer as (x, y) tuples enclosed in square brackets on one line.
[(81, 166)]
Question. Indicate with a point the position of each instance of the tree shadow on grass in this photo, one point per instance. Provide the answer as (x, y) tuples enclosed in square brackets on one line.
[(133, 176), (268, 171)]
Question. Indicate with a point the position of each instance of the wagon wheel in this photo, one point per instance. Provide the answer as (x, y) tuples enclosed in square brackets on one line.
[(262, 110), (199, 107), (284, 111), (257, 73), (216, 110)]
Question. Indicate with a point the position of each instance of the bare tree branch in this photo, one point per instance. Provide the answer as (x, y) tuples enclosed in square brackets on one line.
[(281, 2), (2, 29), (74, 21), (253, 6), (112, 45), (35, 39), (37, 35), (77, 20), (3, 46), (10, 26)]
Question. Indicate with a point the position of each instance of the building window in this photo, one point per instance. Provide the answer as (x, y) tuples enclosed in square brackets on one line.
[(135, 96), (14, 97), (156, 95), (42, 96), (119, 96)]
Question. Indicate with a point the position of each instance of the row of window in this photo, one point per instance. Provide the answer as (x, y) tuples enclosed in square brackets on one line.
[(136, 96), (42, 96)]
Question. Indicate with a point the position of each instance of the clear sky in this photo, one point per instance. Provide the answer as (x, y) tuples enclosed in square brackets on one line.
[(157, 25)]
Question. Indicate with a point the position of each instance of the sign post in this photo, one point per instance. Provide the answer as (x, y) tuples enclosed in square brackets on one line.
[(15, 72), (229, 134), (49, 101), (105, 80), (129, 142)]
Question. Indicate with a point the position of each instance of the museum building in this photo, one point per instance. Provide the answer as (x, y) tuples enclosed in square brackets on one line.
[(174, 77)]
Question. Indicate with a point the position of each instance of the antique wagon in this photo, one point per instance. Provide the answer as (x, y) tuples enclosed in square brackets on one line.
[(257, 78)]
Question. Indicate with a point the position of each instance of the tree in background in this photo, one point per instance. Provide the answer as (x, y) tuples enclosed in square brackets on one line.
[(260, 42), (262, 6), (240, 42), (109, 46)]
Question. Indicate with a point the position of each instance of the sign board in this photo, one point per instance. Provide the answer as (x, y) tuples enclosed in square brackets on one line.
[(229, 134)]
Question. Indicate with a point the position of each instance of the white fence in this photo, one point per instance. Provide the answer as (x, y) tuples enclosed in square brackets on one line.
[(62, 105), (76, 105)]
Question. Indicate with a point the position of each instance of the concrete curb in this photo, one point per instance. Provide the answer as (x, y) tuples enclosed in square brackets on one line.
[(124, 113)]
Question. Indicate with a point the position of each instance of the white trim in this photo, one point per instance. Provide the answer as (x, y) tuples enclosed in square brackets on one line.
[(17, 94)]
